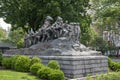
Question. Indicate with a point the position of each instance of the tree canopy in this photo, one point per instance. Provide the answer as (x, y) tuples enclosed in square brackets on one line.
[(16, 37), (32, 13), (106, 13), (29, 14)]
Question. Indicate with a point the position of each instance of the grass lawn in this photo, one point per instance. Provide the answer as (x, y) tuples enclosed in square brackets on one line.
[(12, 75), (108, 76)]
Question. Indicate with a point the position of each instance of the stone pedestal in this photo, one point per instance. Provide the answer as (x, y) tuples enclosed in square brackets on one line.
[(79, 66), (75, 59)]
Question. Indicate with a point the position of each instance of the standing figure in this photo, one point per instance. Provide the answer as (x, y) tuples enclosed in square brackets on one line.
[(57, 27), (77, 32), (47, 22)]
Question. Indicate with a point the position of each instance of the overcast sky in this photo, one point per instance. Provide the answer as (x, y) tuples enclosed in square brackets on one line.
[(3, 24)]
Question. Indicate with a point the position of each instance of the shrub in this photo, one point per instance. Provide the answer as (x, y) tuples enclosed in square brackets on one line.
[(44, 72), (115, 66), (1, 59), (35, 67), (14, 58), (35, 60), (53, 64), (56, 75), (22, 63), (20, 43), (110, 62), (6, 62)]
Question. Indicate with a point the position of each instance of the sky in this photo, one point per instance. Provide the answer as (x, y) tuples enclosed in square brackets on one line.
[(4, 25)]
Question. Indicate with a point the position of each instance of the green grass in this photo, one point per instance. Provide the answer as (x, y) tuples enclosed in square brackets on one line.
[(108, 76), (12, 75)]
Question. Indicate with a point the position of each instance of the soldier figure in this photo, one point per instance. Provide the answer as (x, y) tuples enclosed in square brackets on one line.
[(49, 32), (57, 27), (47, 22)]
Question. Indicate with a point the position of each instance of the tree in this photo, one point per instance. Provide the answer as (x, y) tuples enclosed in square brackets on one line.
[(106, 13), (32, 13), (89, 36), (106, 17), (2, 34), (100, 44), (16, 37)]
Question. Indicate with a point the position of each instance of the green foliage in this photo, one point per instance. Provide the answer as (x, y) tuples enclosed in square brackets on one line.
[(89, 36), (16, 37), (100, 44), (53, 64), (56, 75), (29, 14), (44, 73), (115, 66), (2, 34), (109, 62), (109, 76), (6, 62), (20, 43), (50, 74), (14, 75), (89, 78), (22, 63), (1, 57), (69, 10), (35, 67), (35, 60), (13, 62), (106, 13)]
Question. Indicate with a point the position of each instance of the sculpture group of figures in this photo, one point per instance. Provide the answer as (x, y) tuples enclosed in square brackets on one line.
[(53, 31)]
